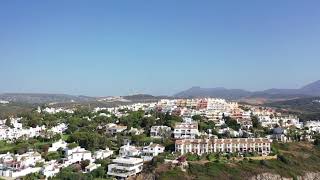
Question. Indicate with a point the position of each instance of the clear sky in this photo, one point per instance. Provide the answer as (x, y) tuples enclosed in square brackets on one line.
[(120, 47)]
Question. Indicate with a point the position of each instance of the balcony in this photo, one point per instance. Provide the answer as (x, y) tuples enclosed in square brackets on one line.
[(122, 167)]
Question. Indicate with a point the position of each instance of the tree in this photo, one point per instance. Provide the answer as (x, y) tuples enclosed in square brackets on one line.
[(147, 122), (211, 157), (84, 164), (205, 126), (89, 140), (45, 148), (231, 123), (255, 122), (192, 157), (317, 141), (52, 156), (21, 148), (197, 118), (100, 172), (8, 123), (171, 120), (72, 145)]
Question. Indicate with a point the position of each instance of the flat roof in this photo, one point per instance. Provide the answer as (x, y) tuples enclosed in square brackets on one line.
[(128, 160)]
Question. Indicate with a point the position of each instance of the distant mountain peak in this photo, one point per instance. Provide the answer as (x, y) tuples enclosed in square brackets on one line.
[(312, 86), (219, 92), (312, 89)]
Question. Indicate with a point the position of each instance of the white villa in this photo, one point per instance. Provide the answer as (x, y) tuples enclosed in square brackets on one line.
[(125, 167), (91, 167), (112, 128), (129, 151), (186, 130), (50, 169), (313, 126), (160, 131), (153, 150), (19, 165), (77, 154), (102, 154), (57, 145)]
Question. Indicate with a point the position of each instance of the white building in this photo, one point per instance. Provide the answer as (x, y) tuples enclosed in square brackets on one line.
[(125, 167), (91, 167), (29, 159), (129, 151), (135, 131), (313, 126), (160, 131), (262, 146), (50, 169), (59, 129), (102, 154), (153, 150), (186, 130), (17, 172), (8, 133), (4, 102), (77, 154), (112, 128), (57, 145), (19, 165)]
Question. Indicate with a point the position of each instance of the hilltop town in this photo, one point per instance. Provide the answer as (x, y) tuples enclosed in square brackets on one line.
[(127, 141)]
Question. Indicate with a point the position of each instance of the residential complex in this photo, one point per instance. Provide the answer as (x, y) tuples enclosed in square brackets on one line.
[(262, 146), (201, 126), (186, 130)]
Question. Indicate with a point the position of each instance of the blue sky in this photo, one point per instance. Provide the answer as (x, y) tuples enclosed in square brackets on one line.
[(123, 47)]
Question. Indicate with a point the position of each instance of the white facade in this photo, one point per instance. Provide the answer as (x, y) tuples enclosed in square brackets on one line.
[(19, 165), (7, 133), (186, 130), (240, 145), (14, 173), (112, 128), (50, 169), (91, 167), (77, 154), (153, 150), (129, 151), (29, 158), (160, 131), (313, 126), (59, 129), (102, 154), (57, 145), (125, 167)]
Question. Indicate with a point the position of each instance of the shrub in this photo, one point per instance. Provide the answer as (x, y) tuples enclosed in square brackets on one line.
[(192, 157), (263, 162), (211, 157), (72, 145), (283, 159), (52, 156)]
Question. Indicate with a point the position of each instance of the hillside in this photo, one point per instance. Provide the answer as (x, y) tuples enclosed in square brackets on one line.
[(42, 98), (39, 98), (294, 160), (306, 108), (213, 92)]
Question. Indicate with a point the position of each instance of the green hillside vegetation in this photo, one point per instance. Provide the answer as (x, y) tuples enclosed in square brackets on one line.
[(305, 108), (294, 159)]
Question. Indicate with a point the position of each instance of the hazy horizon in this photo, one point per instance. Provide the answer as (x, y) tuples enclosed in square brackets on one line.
[(109, 48)]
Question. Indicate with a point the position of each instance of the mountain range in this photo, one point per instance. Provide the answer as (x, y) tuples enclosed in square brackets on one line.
[(268, 95), (312, 89), (41, 98)]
